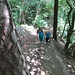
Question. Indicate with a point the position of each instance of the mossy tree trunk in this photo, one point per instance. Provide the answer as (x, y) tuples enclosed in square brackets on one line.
[(71, 18)]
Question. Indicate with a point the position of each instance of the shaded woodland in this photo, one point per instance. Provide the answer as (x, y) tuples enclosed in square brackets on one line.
[(58, 15)]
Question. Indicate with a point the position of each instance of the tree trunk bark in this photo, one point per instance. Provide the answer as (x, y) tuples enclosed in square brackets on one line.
[(71, 18), (55, 19), (12, 60)]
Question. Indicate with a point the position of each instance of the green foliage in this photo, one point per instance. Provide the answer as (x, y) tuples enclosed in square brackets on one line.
[(39, 12), (30, 7), (62, 17), (40, 22), (46, 10), (15, 7)]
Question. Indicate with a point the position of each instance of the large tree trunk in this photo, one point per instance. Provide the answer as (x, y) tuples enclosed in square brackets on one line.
[(12, 61)]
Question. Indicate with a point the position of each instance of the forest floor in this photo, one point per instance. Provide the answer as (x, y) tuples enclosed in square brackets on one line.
[(46, 58)]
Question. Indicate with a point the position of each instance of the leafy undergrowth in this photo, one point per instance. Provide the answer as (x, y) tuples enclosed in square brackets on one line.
[(46, 58)]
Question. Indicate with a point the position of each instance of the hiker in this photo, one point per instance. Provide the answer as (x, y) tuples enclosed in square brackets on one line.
[(48, 36), (41, 34)]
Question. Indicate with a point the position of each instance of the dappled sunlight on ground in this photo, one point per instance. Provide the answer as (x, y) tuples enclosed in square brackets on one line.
[(70, 66), (33, 57), (42, 59)]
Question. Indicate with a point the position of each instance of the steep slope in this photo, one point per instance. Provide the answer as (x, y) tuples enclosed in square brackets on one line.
[(42, 59)]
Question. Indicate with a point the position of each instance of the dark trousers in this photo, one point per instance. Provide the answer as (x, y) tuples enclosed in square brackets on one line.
[(47, 39)]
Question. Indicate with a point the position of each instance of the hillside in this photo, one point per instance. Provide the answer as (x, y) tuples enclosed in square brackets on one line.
[(46, 58)]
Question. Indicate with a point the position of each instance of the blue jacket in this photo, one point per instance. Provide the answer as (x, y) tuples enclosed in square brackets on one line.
[(48, 35), (41, 36)]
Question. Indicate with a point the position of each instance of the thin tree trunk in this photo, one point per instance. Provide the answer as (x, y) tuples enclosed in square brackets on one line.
[(55, 19), (63, 30), (12, 61)]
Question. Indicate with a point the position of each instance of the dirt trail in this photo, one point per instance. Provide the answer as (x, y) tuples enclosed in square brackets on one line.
[(42, 59)]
